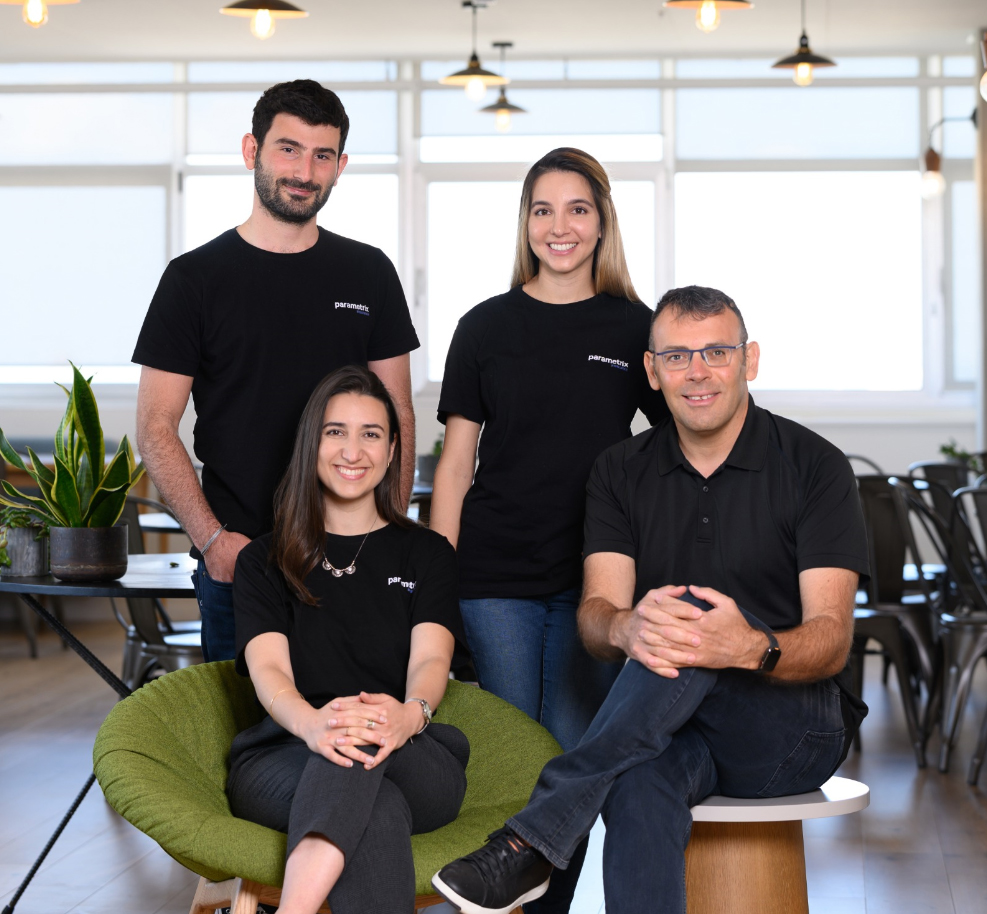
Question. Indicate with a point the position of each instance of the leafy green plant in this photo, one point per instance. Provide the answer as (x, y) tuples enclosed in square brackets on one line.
[(11, 518), (83, 489), (953, 451), (437, 445)]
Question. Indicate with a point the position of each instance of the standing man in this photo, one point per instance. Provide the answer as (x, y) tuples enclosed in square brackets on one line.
[(733, 685), (248, 324)]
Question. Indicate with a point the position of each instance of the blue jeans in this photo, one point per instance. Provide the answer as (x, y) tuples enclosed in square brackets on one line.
[(658, 747), (215, 600), (527, 651)]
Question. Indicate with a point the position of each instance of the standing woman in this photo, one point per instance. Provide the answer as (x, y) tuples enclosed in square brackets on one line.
[(346, 619), (552, 373)]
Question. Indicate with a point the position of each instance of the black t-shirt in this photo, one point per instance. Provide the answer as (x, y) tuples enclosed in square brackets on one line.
[(785, 500), (552, 386), (257, 331), (358, 636)]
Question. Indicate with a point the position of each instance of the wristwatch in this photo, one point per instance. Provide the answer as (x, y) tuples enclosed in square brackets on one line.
[(772, 653), (427, 710)]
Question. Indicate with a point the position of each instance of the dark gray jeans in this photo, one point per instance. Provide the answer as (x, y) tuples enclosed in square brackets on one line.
[(277, 781)]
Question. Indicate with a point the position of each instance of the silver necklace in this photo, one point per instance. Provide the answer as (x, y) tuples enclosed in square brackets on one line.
[(351, 568)]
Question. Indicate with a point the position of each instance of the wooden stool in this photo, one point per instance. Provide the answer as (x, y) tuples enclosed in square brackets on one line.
[(747, 856)]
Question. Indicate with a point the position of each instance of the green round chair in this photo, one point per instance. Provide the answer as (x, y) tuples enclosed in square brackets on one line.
[(161, 760)]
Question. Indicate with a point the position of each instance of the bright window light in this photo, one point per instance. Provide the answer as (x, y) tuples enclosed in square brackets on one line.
[(826, 268)]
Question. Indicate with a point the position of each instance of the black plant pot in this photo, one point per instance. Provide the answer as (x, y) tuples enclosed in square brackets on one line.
[(89, 553), (426, 467)]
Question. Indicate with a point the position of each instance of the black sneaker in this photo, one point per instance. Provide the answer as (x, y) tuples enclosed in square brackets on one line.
[(495, 879)]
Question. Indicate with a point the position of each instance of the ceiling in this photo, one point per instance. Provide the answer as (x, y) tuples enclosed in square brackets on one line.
[(440, 29)]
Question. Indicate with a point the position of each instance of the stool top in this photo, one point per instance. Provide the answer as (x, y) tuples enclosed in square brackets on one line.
[(837, 797)]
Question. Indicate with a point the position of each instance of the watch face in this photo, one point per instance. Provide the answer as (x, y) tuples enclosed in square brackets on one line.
[(770, 659)]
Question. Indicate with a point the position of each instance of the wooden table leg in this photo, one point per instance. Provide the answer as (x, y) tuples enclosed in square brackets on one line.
[(746, 868)]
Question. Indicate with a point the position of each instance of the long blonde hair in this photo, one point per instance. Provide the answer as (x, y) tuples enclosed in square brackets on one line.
[(610, 273)]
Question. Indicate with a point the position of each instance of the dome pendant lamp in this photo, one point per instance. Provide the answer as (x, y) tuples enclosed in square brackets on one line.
[(708, 11), (474, 78), (263, 14), (803, 61), (502, 109)]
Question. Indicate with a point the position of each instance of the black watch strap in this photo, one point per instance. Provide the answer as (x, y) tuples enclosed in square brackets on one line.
[(771, 655)]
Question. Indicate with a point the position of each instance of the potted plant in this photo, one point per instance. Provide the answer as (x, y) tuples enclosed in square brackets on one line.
[(83, 495), (23, 543), (427, 463)]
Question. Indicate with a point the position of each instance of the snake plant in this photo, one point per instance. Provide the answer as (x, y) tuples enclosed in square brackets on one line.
[(83, 489)]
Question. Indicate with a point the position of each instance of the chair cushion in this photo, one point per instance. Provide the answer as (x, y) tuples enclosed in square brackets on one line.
[(161, 760)]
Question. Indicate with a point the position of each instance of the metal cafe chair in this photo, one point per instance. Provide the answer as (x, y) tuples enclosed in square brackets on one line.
[(962, 603), (900, 621), (869, 465)]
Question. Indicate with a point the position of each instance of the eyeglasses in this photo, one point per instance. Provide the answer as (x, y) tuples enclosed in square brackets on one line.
[(680, 359)]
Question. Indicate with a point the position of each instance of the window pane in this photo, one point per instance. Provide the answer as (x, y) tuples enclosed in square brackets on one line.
[(364, 207), (501, 148), (458, 279), (38, 74), (78, 129), (959, 138), (959, 66), (217, 121), (797, 123), (275, 71), (558, 111), (966, 282), (760, 68), (613, 69), (825, 266), (91, 307)]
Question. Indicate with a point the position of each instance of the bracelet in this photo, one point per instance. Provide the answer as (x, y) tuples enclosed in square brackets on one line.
[(270, 709), (426, 712), (210, 541)]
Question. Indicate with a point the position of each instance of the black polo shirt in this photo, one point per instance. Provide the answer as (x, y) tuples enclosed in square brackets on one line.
[(784, 500)]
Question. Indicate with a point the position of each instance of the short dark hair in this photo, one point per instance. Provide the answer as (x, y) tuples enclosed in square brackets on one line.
[(299, 504), (698, 302), (305, 99)]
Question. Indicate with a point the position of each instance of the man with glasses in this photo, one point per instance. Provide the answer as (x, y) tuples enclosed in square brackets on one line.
[(722, 556)]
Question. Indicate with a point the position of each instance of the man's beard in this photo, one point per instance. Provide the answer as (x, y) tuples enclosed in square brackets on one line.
[(286, 208)]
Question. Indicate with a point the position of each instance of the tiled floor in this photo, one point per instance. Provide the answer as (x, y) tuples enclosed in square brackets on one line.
[(920, 847)]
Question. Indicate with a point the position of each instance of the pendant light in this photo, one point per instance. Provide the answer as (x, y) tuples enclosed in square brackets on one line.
[(803, 61), (933, 183), (35, 12), (708, 11), (502, 109), (475, 79), (263, 14)]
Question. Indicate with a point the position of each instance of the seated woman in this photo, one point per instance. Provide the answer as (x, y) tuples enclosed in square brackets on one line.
[(346, 620)]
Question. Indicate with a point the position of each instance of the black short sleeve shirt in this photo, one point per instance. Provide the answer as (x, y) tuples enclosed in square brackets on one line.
[(785, 500), (552, 386), (358, 636), (256, 331)]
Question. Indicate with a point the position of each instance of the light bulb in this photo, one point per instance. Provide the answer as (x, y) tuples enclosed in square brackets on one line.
[(803, 74), (35, 13), (476, 89), (983, 87), (262, 24), (708, 16), (502, 120), (933, 185)]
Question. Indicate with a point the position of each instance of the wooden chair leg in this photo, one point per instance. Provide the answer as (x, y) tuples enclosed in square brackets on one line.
[(746, 868), (212, 895)]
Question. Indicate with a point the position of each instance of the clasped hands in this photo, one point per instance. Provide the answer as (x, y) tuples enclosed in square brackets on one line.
[(666, 634), (338, 730)]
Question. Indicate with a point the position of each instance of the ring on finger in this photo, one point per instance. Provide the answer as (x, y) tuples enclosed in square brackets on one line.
[(371, 724)]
